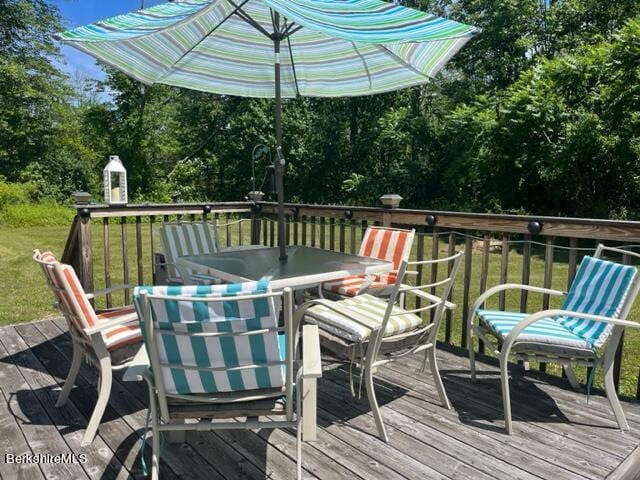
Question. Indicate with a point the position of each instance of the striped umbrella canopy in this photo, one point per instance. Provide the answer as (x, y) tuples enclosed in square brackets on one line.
[(276, 48)]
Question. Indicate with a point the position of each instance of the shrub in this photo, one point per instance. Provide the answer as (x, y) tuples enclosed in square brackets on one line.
[(36, 215), (14, 193)]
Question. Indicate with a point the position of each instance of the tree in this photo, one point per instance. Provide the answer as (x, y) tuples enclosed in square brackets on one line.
[(32, 90), (564, 138)]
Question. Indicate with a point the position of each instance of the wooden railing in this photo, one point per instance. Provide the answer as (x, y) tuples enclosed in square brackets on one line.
[(499, 248)]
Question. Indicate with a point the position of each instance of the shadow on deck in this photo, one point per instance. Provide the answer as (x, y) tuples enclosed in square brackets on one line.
[(557, 434)]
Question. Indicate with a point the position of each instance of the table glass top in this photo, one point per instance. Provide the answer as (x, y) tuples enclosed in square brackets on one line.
[(255, 264)]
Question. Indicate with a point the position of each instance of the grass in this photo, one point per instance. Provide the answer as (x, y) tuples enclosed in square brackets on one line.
[(24, 296)]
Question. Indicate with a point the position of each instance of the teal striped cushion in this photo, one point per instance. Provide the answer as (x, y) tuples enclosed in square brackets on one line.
[(370, 310), (225, 353), (545, 331), (600, 288)]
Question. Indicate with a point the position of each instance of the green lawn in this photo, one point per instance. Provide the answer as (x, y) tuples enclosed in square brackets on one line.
[(24, 297)]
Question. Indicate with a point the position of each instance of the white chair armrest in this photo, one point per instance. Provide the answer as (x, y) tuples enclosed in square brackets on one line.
[(536, 317), (507, 286), (138, 367), (513, 286), (431, 298), (407, 272), (105, 291), (311, 360)]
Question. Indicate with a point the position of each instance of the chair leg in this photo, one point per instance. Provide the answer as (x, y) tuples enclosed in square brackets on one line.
[(373, 402), (472, 354), (506, 398), (612, 396), (299, 428), (155, 443), (103, 398), (76, 362), (176, 436), (299, 451), (571, 377), (444, 400)]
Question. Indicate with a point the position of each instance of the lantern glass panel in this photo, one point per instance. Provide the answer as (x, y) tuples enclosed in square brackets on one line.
[(115, 187)]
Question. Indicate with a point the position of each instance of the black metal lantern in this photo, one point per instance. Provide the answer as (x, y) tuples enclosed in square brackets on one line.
[(431, 220)]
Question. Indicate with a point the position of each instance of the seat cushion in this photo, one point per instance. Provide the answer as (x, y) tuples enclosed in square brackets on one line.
[(600, 288), (350, 286), (370, 310), (122, 335), (545, 335)]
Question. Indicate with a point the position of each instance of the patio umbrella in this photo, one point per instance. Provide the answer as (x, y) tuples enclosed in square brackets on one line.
[(276, 49)]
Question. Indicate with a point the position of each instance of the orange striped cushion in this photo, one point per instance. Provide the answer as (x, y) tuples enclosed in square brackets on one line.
[(350, 286), (48, 257), (75, 295), (384, 244), (381, 243), (126, 334)]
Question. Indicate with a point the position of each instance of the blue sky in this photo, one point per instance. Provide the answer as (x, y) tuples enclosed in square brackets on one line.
[(81, 12)]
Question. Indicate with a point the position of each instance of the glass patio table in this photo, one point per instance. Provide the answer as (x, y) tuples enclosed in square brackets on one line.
[(305, 266)]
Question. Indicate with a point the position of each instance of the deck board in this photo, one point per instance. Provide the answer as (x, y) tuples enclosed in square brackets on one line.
[(557, 434)]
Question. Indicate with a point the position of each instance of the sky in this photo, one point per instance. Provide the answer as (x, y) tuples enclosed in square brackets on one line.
[(81, 12)]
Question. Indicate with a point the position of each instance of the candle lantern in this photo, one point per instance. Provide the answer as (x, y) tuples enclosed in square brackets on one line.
[(115, 182)]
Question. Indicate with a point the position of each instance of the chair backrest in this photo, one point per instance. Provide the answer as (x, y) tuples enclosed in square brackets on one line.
[(601, 287), (179, 239), (391, 244), (70, 296), (435, 301), (212, 339)]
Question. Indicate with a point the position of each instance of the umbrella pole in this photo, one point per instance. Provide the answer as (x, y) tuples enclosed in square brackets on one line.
[(280, 162)]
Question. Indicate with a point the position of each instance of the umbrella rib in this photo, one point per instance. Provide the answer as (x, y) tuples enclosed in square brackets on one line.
[(364, 64), (403, 61), (291, 32), (247, 18), (201, 40), (293, 64)]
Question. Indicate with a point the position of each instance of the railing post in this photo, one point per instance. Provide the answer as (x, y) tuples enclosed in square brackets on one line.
[(389, 201), (85, 257)]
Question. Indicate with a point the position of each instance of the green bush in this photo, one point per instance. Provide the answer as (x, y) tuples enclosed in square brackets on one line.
[(35, 215), (14, 193)]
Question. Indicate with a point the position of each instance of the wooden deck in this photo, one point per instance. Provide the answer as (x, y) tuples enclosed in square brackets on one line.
[(557, 435)]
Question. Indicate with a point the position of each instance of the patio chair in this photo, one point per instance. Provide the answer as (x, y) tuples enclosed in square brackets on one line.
[(217, 352), (370, 331), (384, 243), (109, 340), (601, 293), (189, 238)]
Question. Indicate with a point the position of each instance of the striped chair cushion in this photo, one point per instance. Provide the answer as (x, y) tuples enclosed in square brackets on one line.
[(115, 338), (370, 310), (122, 335), (74, 296), (600, 288), (383, 243), (545, 332), (350, 286), (386, 244), (48, 257), (180, 356), (186, 239)]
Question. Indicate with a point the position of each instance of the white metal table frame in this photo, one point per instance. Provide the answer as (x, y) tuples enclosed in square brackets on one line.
[(355, 265)]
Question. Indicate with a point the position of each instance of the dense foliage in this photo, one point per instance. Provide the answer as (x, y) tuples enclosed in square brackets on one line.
[(540, 113)]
